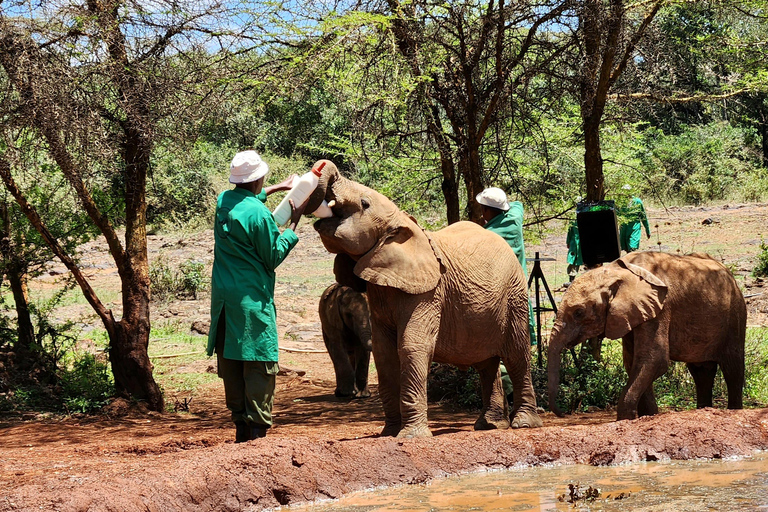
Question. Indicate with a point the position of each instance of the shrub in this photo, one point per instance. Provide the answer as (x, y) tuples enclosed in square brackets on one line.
[(86, 384), (761, 268), (167, 283)]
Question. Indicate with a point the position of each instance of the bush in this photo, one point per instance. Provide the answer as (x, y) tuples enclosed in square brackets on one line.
[(168, 283), (761, 268), (86, 384), (446, 383), (700, 164), (588, 383)]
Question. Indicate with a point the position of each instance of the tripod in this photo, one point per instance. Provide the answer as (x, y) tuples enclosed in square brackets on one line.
[(536, 277)]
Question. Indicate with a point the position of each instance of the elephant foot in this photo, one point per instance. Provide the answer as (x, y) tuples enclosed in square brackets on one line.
[(390, 430), (411, 432), (363, 394), (343, 394), (484, 423), (526, 419)]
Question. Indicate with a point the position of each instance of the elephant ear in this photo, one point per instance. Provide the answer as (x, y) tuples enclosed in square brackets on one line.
[(639, 297), (403, 259), (344, 271)]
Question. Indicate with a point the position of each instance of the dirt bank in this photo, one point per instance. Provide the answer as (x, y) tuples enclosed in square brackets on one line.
[(283, 470)]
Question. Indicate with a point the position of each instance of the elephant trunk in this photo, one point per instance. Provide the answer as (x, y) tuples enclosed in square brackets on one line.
[(556, 346), (330, 173)]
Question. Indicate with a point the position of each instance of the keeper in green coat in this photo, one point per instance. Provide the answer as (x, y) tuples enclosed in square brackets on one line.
[(630, 233), (506, 220), (574, 251), (248, 247)]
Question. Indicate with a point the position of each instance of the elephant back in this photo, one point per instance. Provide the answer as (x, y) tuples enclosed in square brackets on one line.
[(478, 260)]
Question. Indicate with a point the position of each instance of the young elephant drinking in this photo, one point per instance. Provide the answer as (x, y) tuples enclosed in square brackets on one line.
[(455, 296)]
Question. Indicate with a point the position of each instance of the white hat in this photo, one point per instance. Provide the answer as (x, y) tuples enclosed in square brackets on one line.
[(493, 197), (247, 166)]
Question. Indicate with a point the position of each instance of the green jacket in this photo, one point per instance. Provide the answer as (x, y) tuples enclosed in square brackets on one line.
[(635, 218), (248, 247), (574, 245), (509, 226)]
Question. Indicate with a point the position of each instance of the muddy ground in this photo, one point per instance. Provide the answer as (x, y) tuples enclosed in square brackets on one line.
[(323, 447)]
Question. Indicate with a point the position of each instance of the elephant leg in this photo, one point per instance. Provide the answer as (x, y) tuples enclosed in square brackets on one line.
[(416, 348), (733, 374), (388, 370), (647, 406), (342, 367), (495, 413), (704, 377), (645, 358), (362, 361), (523, 414)]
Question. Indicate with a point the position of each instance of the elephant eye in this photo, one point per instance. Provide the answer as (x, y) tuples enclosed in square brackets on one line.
[(365, 203), (578, 313)]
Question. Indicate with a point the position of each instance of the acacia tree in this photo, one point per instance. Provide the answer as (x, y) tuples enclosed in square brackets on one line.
[(466, 64), (608, 32), (97, 83), (470, 60)]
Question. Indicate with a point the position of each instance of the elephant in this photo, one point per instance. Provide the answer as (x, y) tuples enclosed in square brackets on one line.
[(664, 307), (456, 296), (346, 329)]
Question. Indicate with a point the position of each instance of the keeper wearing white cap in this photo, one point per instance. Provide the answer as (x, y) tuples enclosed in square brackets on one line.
[(506, 220), (243, 333)]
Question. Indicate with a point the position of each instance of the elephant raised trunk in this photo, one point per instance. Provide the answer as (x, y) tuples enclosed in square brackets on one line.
[(329, 175), (557, 344)]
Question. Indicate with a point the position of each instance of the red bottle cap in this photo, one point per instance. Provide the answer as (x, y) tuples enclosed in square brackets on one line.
[(316, 171)]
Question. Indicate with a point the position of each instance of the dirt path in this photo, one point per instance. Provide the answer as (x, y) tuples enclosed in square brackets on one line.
[(323, 447)]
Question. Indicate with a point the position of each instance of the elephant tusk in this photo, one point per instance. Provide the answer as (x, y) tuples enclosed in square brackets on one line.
[(331, 203)]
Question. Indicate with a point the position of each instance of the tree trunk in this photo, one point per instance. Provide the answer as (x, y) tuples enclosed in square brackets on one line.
[(593, 162), (130, 363), (16, 272)]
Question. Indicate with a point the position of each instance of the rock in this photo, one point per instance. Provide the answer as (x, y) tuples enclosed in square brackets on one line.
[(201, 327), (286, 370)]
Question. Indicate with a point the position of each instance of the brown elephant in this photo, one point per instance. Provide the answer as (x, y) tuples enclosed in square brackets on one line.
[(665, 308), (455, 296), (346, 327)]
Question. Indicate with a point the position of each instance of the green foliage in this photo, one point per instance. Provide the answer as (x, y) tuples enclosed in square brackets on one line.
[(55, 375), (182, 188), (756, 367), (761, 267), (588, 383), (86, 384), (700, 164), (448, 384), (166, 282)]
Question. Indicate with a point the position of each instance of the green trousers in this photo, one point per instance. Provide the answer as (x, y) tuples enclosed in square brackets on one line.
[(249, 386)]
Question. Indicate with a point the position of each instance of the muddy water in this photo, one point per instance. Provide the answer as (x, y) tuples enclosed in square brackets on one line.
[(720, 485)]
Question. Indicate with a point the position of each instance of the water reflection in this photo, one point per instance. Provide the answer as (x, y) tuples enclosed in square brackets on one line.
[(723, 485)]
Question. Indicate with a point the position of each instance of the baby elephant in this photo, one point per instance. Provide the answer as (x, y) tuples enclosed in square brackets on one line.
[(347, 335), (664, 307)]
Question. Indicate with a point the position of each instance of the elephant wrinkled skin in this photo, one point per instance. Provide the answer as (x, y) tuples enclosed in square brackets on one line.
[(665, 308), (346, 328), (455, 296)]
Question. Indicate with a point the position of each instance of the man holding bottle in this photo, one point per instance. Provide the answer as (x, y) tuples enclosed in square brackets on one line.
[(248, 248)]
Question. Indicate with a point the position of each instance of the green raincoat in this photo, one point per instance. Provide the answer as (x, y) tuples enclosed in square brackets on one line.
[(509, 226), (574, 245), (248, 248), (631, 233)]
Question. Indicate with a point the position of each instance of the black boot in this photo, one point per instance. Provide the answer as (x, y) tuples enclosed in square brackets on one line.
[(258, 431), (242, 432)]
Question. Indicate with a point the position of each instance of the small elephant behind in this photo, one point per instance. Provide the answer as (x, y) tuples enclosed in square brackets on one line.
[(346, 327)]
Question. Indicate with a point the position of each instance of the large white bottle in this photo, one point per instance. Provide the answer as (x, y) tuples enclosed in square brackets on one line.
[(300, 191)]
